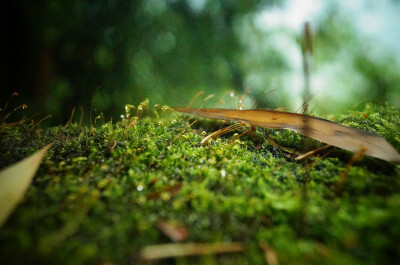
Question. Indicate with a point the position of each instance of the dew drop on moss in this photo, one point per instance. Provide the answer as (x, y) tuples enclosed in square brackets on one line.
[(223, 173)]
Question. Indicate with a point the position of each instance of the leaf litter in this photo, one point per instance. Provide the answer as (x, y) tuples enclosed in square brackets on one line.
[(15, 180)]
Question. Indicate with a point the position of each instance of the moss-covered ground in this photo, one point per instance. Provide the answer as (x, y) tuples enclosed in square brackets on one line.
[(97, 199)]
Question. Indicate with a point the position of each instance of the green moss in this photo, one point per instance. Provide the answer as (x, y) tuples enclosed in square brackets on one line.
[(90, 202)]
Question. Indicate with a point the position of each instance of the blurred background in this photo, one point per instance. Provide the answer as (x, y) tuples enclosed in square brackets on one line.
[(61, 54)]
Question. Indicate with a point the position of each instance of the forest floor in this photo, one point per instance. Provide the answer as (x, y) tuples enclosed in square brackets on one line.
[(122, 193)]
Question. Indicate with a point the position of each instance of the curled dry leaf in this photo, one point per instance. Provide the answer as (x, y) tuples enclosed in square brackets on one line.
[(329, 132), (15, 180)]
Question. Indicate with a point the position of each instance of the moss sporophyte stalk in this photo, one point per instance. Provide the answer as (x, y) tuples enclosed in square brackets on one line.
[(146, 181)]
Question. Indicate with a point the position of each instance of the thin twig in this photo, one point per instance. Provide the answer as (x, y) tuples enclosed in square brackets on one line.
[(69, 122), (81, 118), (307, 57), (195, 97), (45, 118), (343, 176), (6, 105), (312, 152)]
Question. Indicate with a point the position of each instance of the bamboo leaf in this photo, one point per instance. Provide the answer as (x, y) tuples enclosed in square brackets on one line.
[(15, 180), (174, 250), (329, 132)]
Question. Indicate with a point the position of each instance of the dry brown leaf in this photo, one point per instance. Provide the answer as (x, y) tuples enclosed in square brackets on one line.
[(163, 251), (173, 231), (271, 257), (329, 132), (15, 180)]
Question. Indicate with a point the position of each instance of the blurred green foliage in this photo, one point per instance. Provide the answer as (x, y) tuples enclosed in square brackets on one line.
[(65, 54), (360, 67), (126, 51)]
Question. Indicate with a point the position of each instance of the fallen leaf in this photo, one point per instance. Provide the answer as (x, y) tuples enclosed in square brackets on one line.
[(173, 231), (15, 180), (271, 257), (163, 251), (329, 132)]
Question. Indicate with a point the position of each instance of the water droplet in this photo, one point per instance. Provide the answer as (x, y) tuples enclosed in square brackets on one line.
[(223, 173), (122, 116), (126, 107), (240, 100), (241, 108), (232, 94), (139, 188), (140, 108), (173, 121)]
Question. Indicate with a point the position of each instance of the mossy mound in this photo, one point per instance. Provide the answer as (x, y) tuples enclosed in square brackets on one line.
[(97, 199)]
